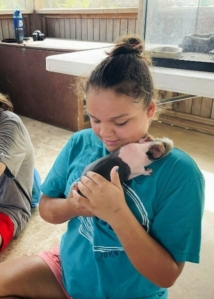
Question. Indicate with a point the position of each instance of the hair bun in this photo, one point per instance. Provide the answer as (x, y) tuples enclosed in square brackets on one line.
[(128, 45)]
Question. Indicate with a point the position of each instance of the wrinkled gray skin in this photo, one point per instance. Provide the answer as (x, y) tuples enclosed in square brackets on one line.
[(132, 159)]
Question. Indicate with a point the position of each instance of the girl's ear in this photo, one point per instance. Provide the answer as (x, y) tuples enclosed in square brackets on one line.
[(151, 109)]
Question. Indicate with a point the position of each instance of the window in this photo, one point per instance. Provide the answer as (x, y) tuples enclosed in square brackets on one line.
[(180, 33), (12, 4), (90, 3)]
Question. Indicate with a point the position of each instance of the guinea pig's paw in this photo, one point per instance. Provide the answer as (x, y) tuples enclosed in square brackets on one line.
[(148, 171)]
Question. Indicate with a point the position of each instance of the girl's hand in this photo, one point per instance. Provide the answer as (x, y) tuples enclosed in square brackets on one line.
[(80, 210), (103, 199)]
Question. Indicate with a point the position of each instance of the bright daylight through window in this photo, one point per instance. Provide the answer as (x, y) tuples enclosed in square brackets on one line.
[(90, 3), (22, 4)]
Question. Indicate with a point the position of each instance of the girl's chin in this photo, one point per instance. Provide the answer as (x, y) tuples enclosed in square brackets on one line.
[(112, 148), (112, 144)]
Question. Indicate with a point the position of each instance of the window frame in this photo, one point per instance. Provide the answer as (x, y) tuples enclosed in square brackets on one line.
[(39, 7)]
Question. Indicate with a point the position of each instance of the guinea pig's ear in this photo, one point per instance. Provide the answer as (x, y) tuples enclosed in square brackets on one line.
[(157, 149)]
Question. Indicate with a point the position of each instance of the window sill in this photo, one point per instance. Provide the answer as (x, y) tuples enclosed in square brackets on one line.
[(11, 11), (86, 11)]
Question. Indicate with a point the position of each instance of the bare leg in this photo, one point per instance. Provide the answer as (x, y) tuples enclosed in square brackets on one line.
[(0, 240), (28, 277)]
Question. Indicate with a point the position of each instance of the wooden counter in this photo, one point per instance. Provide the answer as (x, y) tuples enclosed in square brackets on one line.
[(48, 97), (196, 112), (175, 80)]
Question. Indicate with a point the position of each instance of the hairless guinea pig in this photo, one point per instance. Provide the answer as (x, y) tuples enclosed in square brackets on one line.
[(132, 158)]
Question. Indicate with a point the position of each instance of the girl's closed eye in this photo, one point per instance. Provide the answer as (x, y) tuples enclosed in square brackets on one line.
[(122, 124), (96, 121)]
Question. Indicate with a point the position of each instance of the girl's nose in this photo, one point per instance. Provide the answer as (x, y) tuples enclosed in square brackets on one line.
[(106, 130)]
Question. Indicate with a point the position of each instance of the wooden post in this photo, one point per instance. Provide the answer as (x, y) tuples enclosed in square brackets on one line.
[(39, 4), (141, 18)]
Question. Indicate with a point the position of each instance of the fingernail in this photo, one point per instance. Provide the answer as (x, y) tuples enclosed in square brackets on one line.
[(117, 170)]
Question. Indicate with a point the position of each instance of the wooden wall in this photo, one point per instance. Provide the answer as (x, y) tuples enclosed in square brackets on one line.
[(103, 27), (7, 28), (93, 27), (193, 113)]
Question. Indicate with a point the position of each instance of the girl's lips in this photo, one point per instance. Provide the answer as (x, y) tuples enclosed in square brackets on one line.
[(110, 142)]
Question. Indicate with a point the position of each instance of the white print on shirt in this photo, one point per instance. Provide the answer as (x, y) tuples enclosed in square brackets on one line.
[(86, 224), (139, 205)]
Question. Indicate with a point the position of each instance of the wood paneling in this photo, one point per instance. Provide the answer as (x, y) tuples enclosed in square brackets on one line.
[(7, 28), (46, 96), (87, 27), (196, 114), (196, 106), (90, 27)]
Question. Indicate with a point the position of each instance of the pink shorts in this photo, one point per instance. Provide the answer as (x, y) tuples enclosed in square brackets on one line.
[(53, 261)]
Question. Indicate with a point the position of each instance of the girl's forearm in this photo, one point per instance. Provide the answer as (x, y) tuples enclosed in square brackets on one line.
[(2, 168), (56, 210), (151, 259)]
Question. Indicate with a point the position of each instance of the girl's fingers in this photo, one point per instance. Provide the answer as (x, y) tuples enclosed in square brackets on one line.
[(81, 201), (95, 177), (86, 185), (115, 178)]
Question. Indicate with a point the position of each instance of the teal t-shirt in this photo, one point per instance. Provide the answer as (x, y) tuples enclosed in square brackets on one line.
[(168, 204)]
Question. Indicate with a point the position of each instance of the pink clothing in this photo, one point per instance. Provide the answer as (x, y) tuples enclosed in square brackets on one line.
[(53, 261)]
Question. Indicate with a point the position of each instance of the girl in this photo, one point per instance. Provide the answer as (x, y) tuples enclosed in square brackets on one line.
[(122, 241)]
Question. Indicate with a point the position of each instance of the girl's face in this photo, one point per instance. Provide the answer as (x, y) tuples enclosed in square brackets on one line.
[(116, 119)]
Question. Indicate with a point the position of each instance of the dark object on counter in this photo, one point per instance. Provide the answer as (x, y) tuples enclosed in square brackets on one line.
[(19, 35), (38, 35), (181, 64), (201, 43), (9, 40), (13, 40)]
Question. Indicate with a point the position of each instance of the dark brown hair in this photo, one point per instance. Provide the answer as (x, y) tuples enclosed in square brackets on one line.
[(125, 70), (5, 103)]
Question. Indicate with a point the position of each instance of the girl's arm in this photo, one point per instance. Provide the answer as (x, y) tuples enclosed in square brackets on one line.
[(150, 258), (2, 168), (59, 210), (106, 200)]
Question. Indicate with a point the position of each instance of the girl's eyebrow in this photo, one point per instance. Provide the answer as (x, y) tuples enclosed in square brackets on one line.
[(112, 118)]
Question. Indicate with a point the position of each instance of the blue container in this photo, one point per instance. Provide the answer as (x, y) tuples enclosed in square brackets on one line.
[(36, 192), (18, 26)]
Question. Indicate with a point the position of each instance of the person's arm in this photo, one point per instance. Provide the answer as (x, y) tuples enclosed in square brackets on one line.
[(2, 168), (59, 210), (13, 144), (150, 259)]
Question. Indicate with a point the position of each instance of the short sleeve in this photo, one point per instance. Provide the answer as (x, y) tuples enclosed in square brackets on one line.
[(12, 145), (56, 180), (177, 224)]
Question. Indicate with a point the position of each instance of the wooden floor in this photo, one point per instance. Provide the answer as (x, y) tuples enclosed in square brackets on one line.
[(196, 281)]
